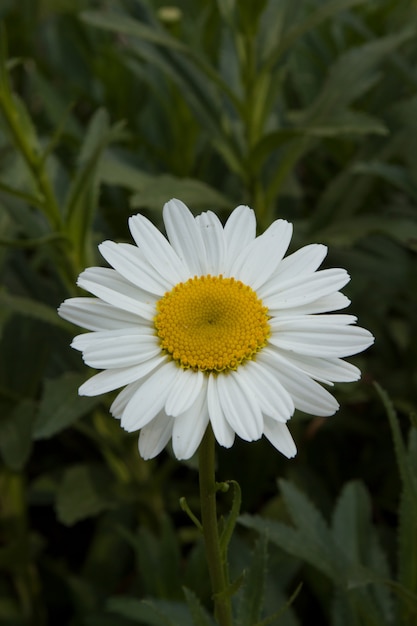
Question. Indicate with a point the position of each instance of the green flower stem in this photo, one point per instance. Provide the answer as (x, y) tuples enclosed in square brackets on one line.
[(17, 549), (217, 568), (33, 160)]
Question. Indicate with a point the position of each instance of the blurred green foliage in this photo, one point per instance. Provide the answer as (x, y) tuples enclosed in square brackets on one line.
[(302, 109)]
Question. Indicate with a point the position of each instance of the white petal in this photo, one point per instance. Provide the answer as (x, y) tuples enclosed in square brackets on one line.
[(212, 233), (150, 398), (154, 436), (115, 378), (240, 407), (94, 314), (117, 352), (239, 232), (328, 370), (302, 262), (257, 261), (280, 437), (323, 335), (274, 400), (185, 237), (131, 263), (332, 302), (85, 340), (120, 402), (190, 426), (224, 434), (308, 396), (304, 289), (108, 285), (185, 392), (157, 250)]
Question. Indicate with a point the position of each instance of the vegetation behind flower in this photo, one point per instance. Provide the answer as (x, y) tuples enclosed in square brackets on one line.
[(304, 112)]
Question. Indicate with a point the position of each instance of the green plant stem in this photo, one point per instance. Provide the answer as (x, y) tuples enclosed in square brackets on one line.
[(20, 564), (217, 568), (34, 161)]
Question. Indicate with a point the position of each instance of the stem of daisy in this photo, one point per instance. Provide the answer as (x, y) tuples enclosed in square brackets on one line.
[(217, 568)]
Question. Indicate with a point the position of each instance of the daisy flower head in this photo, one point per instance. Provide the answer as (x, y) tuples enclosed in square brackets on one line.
[(213, 325)]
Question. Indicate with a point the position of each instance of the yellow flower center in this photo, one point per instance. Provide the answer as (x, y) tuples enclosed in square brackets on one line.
[(211, 323)]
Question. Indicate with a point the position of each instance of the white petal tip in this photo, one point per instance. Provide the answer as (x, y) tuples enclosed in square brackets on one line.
[(86, 390)]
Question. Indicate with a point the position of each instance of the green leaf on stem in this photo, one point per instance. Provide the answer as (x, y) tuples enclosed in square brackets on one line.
[(185, 507), (198, 613), (230, 524), (251, 598)]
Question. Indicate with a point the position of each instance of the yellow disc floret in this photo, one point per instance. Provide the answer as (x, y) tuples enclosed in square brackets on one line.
[(211, 323)]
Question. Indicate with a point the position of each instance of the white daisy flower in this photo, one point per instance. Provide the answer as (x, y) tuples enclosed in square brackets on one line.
[(213, 325)]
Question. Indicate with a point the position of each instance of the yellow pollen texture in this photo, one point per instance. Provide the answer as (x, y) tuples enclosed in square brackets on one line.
[(211, 323)]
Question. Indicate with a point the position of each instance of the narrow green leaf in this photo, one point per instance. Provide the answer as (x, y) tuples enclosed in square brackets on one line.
[(56, 105), (113, 171), (355, 535), (82, 198), (151, 612), (26, 197), (302, 26), (121, 23), (345, 232), (227, 9), (351, 521), (15, 109), (32, 243), (407, 535), (198, 81), (16, 434), (289, 540), (278, 614), (334, 125), (61, 405), (30, 308), (409, 479), (313, 529), (199, 614), (251, 598), (310, 540), (409, 599), (154, 34), (394, 174), (230, 524), (344, 122), (357, 68), (195, 193)]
